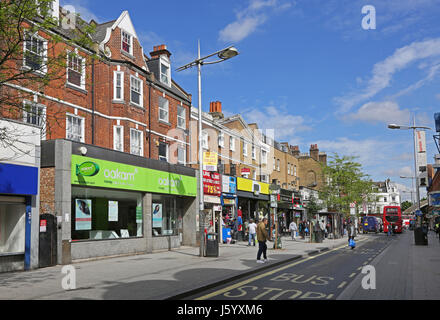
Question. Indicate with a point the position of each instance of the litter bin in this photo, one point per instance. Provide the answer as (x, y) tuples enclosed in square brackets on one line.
[(211, 245), (420, 236)]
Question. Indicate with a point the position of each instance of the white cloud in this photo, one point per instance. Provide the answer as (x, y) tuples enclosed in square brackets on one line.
[(398, 172), (81, 7), (285, 125), (381, 112), (383, 72), (250, 18)]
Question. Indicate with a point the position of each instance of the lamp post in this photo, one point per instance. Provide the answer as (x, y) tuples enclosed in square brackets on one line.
[(412, 186), (223, 55), (414, 128)]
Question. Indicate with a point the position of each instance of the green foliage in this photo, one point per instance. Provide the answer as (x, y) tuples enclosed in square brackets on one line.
[(313, 207), (405, 205), (346, 184)]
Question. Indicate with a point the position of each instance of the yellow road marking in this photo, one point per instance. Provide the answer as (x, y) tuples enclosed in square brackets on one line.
[(245, 282), (352, 275), (342, 285)]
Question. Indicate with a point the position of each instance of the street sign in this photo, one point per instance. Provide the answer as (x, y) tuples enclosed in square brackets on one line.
[(419, 213)]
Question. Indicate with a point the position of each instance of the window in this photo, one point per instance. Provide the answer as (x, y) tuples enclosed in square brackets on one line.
[(221, 140), (254, 174), (204, 140), (278, 165), (105, 214), (167, 217), (118, 82), (265, 178), (76, 70), (34, 113), (163, 151), (136, 142), (288, 168), (127, 42), (118, 138), (264, 156), (136, 91), (164, 106), (245, 147), (294, 171), (254, 153), (181, 155), (165, 73), (274, 163), (12, 228), (35, 53), (181, 117), (231, 143), (75, 128)]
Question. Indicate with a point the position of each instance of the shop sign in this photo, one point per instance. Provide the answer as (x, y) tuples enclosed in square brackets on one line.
[(245, 171), (210, 161), (229, 184), (248, 186), (273, 201), (230, 202), (434, 199), (107, 174), (211, 183)]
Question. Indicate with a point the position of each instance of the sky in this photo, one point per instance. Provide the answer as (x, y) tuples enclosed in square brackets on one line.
[(310, 69)]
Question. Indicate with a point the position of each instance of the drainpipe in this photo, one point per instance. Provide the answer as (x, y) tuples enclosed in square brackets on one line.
[(93, 101)]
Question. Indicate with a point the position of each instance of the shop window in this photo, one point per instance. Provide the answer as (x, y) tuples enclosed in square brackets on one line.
[(167, 213), (12, 228), (105, 214)]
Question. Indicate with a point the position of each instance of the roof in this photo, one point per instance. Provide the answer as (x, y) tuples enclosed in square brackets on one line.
[(101, 31), (415, 207)]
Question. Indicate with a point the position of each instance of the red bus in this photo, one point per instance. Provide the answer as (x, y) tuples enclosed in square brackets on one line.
[(392, 217)]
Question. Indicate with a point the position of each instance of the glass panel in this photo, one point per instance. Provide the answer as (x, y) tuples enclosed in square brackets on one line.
[(164, 218), (12, 228)]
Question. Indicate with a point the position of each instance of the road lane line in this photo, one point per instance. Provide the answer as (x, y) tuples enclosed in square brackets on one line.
[(343, 284), (264, 275), (352, 275)]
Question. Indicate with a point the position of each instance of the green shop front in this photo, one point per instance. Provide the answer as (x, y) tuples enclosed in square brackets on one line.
[(123, 204)]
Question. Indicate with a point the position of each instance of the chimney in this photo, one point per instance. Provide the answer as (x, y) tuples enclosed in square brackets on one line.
[(323, 158), (314, 152), (215, 110), (159, 51), (295, 151)]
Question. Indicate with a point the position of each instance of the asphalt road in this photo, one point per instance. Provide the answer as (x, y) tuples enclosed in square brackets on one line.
[(324, 276)]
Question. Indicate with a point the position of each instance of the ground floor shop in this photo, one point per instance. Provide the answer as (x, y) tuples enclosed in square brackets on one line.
[(18, 217), (109, 203)]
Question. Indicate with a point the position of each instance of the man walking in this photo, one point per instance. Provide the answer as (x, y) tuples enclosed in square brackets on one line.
[(293, 229), (252, 227), (351, 230), (262, 238)]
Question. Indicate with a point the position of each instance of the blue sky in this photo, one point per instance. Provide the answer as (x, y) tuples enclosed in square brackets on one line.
[(307, 67)]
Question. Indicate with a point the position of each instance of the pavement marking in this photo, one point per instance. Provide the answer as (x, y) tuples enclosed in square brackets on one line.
[(360, 268), (330, 296), (264, 275), (343, 284), (352, 275)]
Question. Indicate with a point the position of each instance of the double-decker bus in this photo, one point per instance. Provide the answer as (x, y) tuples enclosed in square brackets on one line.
[(392, 217)]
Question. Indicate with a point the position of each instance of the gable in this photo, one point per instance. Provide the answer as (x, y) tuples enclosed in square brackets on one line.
[(124, 22)]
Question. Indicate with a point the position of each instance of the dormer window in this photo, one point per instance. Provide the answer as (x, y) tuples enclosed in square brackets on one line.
[(165, 72), (127, 41)]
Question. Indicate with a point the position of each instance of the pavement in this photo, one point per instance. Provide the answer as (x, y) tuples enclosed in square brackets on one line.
[(404, 271), (159, 276)]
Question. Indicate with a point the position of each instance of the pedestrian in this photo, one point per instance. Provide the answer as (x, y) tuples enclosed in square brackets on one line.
[(351, 231), (293, 228), (262, 237), (252, 232), (390, 229), (437, 226)]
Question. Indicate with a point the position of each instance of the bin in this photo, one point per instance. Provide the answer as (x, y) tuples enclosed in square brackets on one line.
[(212, 245), (420, 237)]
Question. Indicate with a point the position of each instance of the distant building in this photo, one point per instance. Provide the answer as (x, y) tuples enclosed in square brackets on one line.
[(385, 193)]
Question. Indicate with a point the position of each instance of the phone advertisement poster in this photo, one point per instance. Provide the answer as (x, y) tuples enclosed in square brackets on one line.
[(83, 219)]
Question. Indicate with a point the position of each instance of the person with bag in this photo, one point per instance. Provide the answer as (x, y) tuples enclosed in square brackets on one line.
[(262, 237), (293, 228), (351, 230)]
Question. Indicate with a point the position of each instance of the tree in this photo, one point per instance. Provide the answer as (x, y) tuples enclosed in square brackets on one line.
[(405, 205), (33, 57), (345, 184), (313, 207)]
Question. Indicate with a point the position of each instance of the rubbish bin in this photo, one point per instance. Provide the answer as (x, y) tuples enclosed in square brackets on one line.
[(212, 245), (420, 236)]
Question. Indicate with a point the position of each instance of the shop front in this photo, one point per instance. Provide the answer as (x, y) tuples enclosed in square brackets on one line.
[(253, 199), (128, 205), (212, 201), (18, 217)]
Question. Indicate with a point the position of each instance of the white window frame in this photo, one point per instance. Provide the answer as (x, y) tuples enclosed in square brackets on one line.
[(278, 165), (181, 118), (141, 93), (115, 87), (183, 149), (254, 153), (166, 103), (141, 142), (163, 61), (205, 142), (288, 169), (263, 156), (245, 147), (221, 140), (83, 70), (130, 44), (82, 136), (294, 171), (167, 150), (231, 143), (41, 117), (43, 69), (121, 138)]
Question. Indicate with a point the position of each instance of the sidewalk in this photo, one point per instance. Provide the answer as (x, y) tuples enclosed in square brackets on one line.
[(156, 276)]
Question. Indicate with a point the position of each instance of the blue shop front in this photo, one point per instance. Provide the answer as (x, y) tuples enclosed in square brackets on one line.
[(18, 210), (229, 205)]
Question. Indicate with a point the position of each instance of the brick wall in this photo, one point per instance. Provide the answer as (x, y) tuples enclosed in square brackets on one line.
[(47, 190)]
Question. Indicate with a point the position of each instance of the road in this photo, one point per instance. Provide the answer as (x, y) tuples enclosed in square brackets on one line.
[(321, 277)]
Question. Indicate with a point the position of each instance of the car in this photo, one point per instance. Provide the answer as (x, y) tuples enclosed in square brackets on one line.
[(370, 224)]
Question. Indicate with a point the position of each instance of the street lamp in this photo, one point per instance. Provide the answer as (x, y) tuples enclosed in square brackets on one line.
[(414, 128), (223, 55)]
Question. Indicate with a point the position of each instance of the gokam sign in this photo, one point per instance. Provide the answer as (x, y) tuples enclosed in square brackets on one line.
[(107, 174)]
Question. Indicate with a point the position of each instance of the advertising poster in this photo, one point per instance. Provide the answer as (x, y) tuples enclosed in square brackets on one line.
[(113, 211), (157, 215), (139, 214), (83, 212)]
